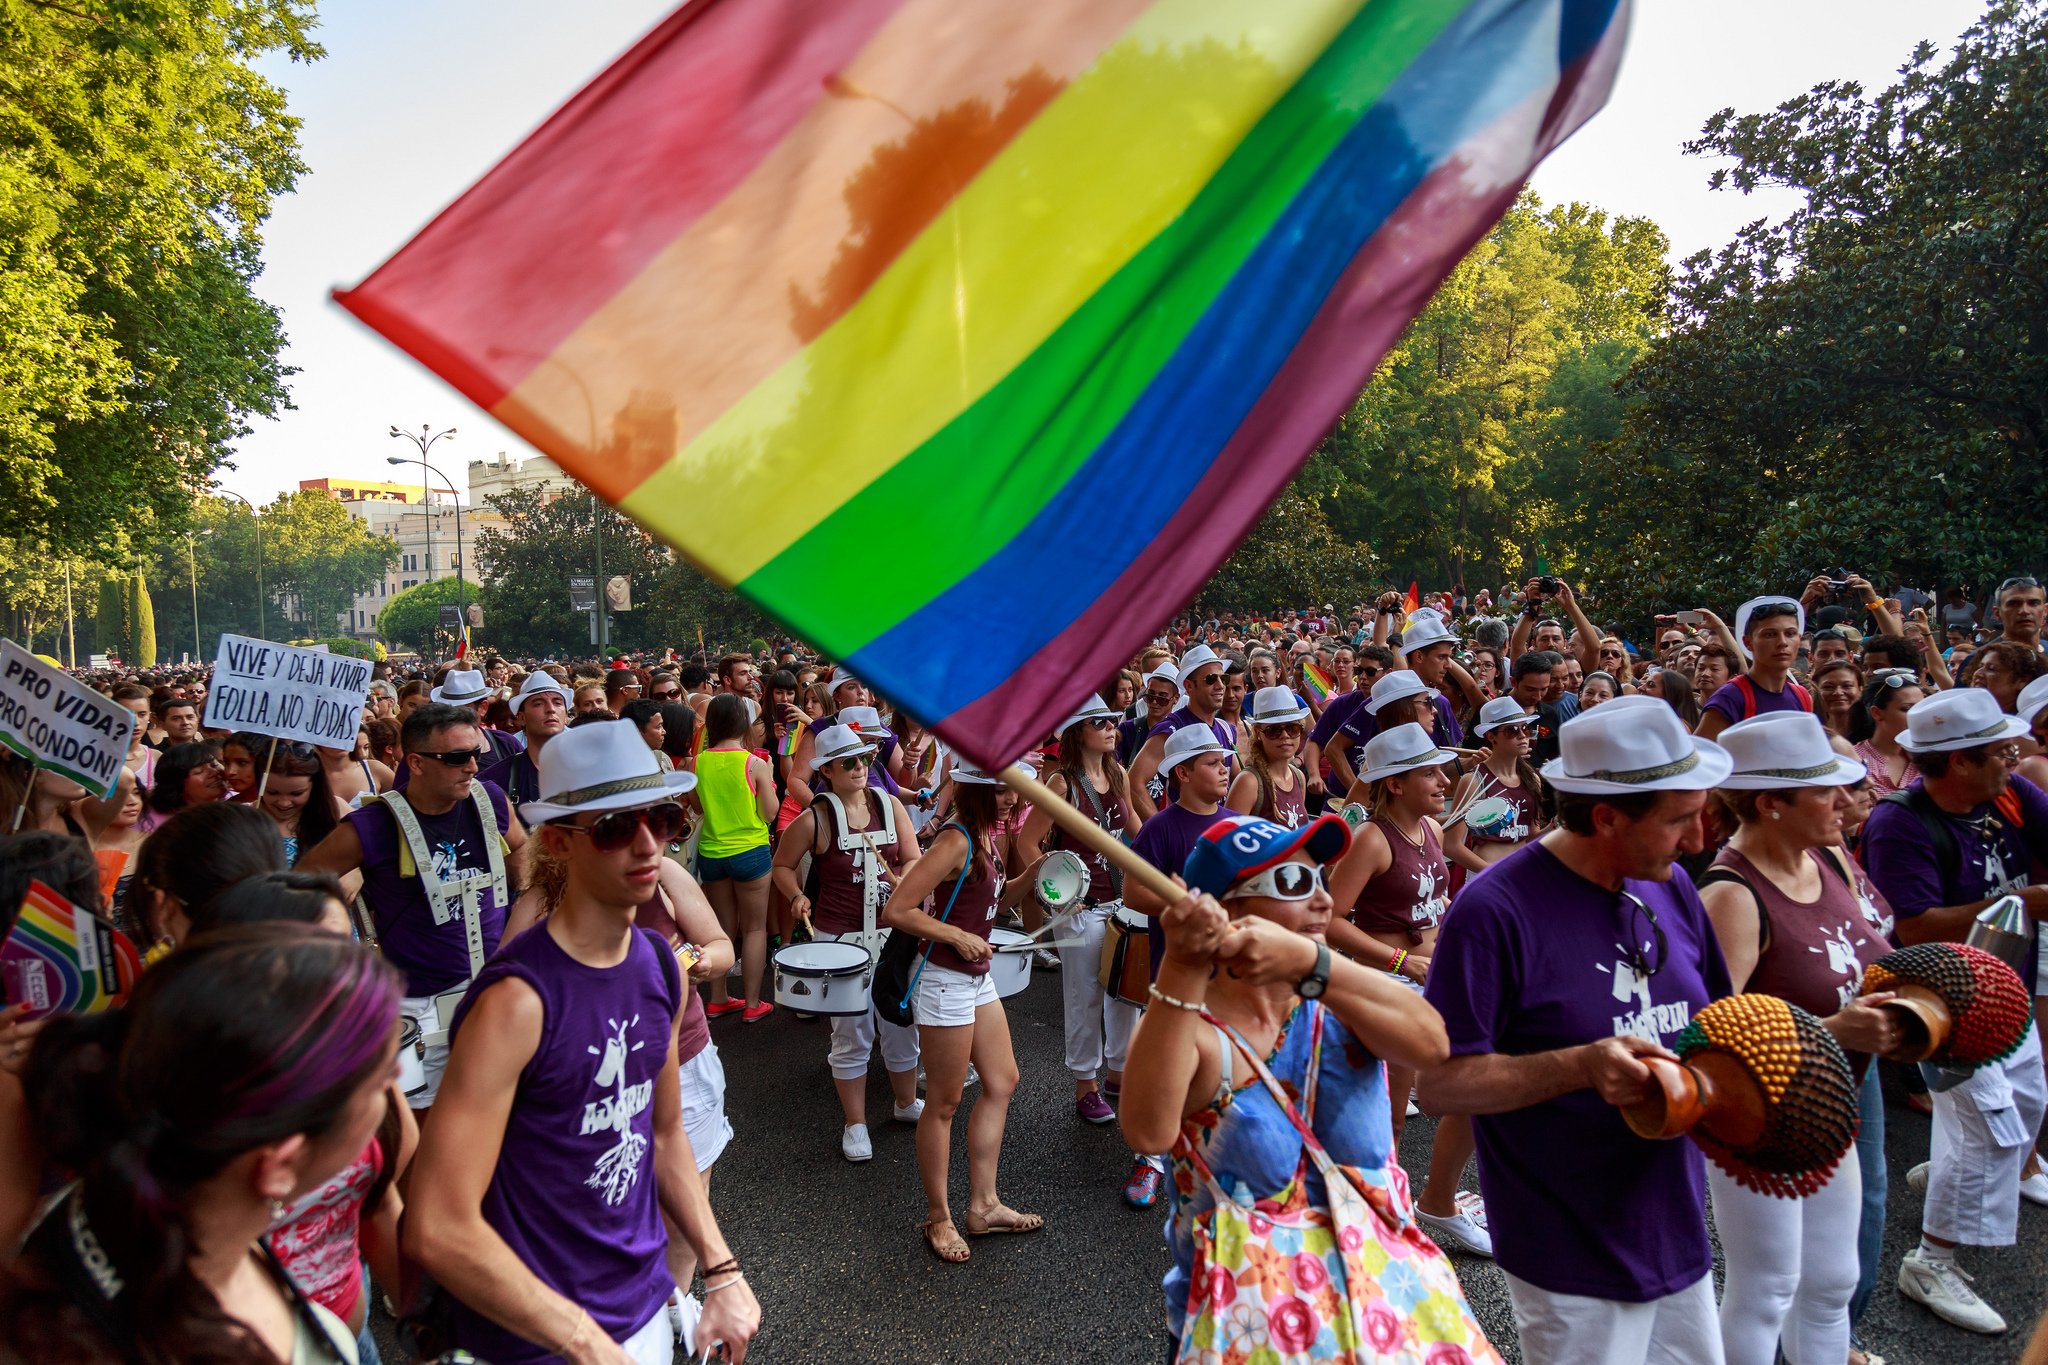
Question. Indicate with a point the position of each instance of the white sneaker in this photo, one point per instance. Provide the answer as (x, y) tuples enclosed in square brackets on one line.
[(973, 1077), (854, 1144), (1917, 1177), (2034, 1189), (907, 1113), (1459, 1232), (1414, 1109), (1944, 1287), (683, 1312)]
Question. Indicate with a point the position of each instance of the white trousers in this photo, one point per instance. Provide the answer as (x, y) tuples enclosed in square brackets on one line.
[(1792, 1268), (853, 1040), (1983, 1130), (1099, 1026), (1571, 1329)]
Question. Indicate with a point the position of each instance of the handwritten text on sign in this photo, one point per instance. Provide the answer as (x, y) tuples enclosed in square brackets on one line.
[(286, 691), (58, 723)]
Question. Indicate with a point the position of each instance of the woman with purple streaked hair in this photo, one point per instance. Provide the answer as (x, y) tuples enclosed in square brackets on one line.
[(247, 1069)]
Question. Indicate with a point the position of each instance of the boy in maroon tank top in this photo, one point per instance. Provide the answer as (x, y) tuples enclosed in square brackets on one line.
[(571, 1078)]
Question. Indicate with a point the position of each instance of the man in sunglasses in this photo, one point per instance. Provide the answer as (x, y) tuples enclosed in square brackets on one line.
[(1427, 645), (1556, 973), (1942, 850), (541, 708), (1202, 682), (560, 1139), (434, 860)]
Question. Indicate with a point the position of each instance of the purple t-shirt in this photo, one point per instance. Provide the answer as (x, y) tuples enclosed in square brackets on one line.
[(434, 957), (1342, 708), (1165, 842), (1533, 958), (1903, 865), (517, 775), (1181, 719), (1362, 726), (574, 1193), (1728, 700)]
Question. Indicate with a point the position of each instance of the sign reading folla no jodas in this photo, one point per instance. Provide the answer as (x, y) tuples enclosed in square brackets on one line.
[(283, 690), (57, 722)]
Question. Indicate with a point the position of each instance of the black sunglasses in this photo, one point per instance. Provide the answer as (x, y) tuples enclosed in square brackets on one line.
[(672, 694), (613, 831), (456, 758), (1636, 946)]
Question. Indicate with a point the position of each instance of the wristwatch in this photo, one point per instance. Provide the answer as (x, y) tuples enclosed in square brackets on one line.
[(1312, 986)]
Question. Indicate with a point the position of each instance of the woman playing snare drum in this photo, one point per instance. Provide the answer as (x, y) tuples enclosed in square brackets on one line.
[(959, 1017), (861, 843)]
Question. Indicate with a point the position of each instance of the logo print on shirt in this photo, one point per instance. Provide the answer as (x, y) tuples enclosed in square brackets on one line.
[(1841, 951), (1649, 1021), (618, 1169), (1429, 907)]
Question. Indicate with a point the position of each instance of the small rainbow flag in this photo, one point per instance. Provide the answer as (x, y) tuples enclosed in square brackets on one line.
[(976, 271), (1316, 683), (791, 737), (59, 958)]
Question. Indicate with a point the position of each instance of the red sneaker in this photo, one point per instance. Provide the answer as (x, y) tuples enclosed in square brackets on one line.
[(724, 1007), (754, 1014)]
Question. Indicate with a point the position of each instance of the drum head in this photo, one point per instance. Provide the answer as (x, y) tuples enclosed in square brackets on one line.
[(1062, 880), (1003, 938), (1354, 814), (408, 1032), (1490, 816), (821, 959)]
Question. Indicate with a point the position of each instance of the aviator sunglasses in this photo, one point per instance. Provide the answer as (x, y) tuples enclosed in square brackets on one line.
[(614, 830)]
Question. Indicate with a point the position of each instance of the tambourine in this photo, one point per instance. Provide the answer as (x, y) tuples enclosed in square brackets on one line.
[(1062, 880), (1961, 1006), (1763, 1088)]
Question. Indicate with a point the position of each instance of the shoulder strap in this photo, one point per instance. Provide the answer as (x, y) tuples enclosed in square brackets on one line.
[(1804, 697), (1947, 853), (1748, 691), (1079, 780), (1721, 873)]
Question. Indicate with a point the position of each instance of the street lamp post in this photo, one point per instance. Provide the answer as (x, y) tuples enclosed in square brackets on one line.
[(425, 442), (192, 560), (461, 590), (262, 631)]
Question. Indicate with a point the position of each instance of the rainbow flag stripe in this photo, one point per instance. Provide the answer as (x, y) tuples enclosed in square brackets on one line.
[(968, 338), (59, 958), (1317, 683)]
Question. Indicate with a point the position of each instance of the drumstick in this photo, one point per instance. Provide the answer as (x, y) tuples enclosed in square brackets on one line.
[(1097, 839), (1031, 945)]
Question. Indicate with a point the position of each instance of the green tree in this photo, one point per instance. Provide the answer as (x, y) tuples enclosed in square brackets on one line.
[(139, 156), (110, 622), (1291, 558), (141, 624), (223, 549), (412, 619), (318, 557), (1864, 382)]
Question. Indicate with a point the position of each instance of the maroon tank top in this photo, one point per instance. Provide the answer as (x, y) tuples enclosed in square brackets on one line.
[(974, 910), (1286, 808), (1491, 825), (1106, 810), (1813, 954), (693, 1031), (1410, 896), (837, 906)]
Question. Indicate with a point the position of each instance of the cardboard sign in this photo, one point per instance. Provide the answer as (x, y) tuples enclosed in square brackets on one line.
[(56, 722), (303, 694), (60, 959)]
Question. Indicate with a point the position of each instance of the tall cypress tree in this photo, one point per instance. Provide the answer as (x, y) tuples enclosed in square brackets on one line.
[(110, 622), (142, 623)]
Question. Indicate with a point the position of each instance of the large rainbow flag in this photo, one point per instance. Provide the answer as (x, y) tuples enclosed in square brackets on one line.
[(969, 337)]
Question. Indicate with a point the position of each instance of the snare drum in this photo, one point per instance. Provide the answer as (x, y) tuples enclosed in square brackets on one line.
[(1011, 972), (824, 978), (412, 1066), (1062, 881), (1126, 967)]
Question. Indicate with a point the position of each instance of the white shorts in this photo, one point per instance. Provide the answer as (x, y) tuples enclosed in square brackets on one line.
[(433, 1056), (654, 1343), (702, 1080), (948, 999)]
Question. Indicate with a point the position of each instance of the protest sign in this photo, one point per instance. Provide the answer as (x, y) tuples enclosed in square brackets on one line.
[(283, 690), (56, 722)]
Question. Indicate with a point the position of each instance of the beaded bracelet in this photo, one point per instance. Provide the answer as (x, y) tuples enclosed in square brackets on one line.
[(1394, 967), (1163, 998)]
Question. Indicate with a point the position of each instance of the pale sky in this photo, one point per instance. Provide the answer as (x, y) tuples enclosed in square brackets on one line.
[(413, 102)]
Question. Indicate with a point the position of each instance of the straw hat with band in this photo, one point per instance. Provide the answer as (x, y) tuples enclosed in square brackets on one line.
[(601, 767), (1963, 718), (462, 687), (2032, 698), (1402, 749), (1784, 749), (835, 742), (1631, 745), (1095, 708), (1423, 629), (1192, 662), (1392, 687), (1190, 741), (540, 685), (1277, 706), (1501, 712)]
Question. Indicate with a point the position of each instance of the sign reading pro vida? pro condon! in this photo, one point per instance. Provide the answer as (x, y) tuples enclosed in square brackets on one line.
[(57, 722), (282, 690)]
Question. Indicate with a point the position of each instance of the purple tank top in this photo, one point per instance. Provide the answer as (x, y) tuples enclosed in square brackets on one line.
[(837, 906), (974, 911), (574, 1191), (1411, 895), (1815, 952)]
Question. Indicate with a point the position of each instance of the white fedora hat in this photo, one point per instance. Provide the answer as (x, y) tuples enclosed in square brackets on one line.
[(1960, 719), (1499, 712), (462, 687), (1402, 682), (540, 685), (2032, 698), (864, 720), (966, 772), (835, 742), (1748, 609), (1425, 627), (841, 677), (1633, 744), (605, 766), (1402, 749), (1190, 741), (1277, 706), (1201, 656), (1095, 708), (1784, 749)]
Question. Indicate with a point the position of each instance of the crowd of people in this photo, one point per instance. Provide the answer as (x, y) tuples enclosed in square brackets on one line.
[(1473, 857)]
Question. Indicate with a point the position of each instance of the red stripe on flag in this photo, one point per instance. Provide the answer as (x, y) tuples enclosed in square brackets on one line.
[(588, 200)]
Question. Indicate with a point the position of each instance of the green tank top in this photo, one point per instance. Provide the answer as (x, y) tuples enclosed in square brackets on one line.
[(732, 821)]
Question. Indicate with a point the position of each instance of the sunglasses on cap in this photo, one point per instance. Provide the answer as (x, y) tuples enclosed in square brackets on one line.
[(614, 830), (456, 758), (1285, 882)]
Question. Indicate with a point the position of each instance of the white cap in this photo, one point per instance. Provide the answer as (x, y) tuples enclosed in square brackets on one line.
[(600, 767), (1404, 748), (1784, 749), (1633, 744), (1959, 719), (1389, 687), (1190, 741)]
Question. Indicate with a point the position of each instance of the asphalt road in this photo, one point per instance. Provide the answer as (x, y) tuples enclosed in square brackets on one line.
[(844, 1277)]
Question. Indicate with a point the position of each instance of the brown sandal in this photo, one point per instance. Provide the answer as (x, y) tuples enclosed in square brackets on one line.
[(953, 1252), (1015, 1222)]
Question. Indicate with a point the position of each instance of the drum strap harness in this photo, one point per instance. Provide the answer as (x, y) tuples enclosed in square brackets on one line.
[(458, 895), (867, 851), (1079, 782)]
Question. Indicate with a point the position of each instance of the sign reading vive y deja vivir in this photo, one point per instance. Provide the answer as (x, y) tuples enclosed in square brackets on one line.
[(283, 690)]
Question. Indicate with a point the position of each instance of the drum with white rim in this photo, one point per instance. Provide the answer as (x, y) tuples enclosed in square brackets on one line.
[(1125, 970), (1010, 971), (1062, 880), (824, 978), (412, 1067)]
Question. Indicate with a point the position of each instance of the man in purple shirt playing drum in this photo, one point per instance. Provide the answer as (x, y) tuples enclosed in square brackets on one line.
[(1562, 967), (558, 1139)]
